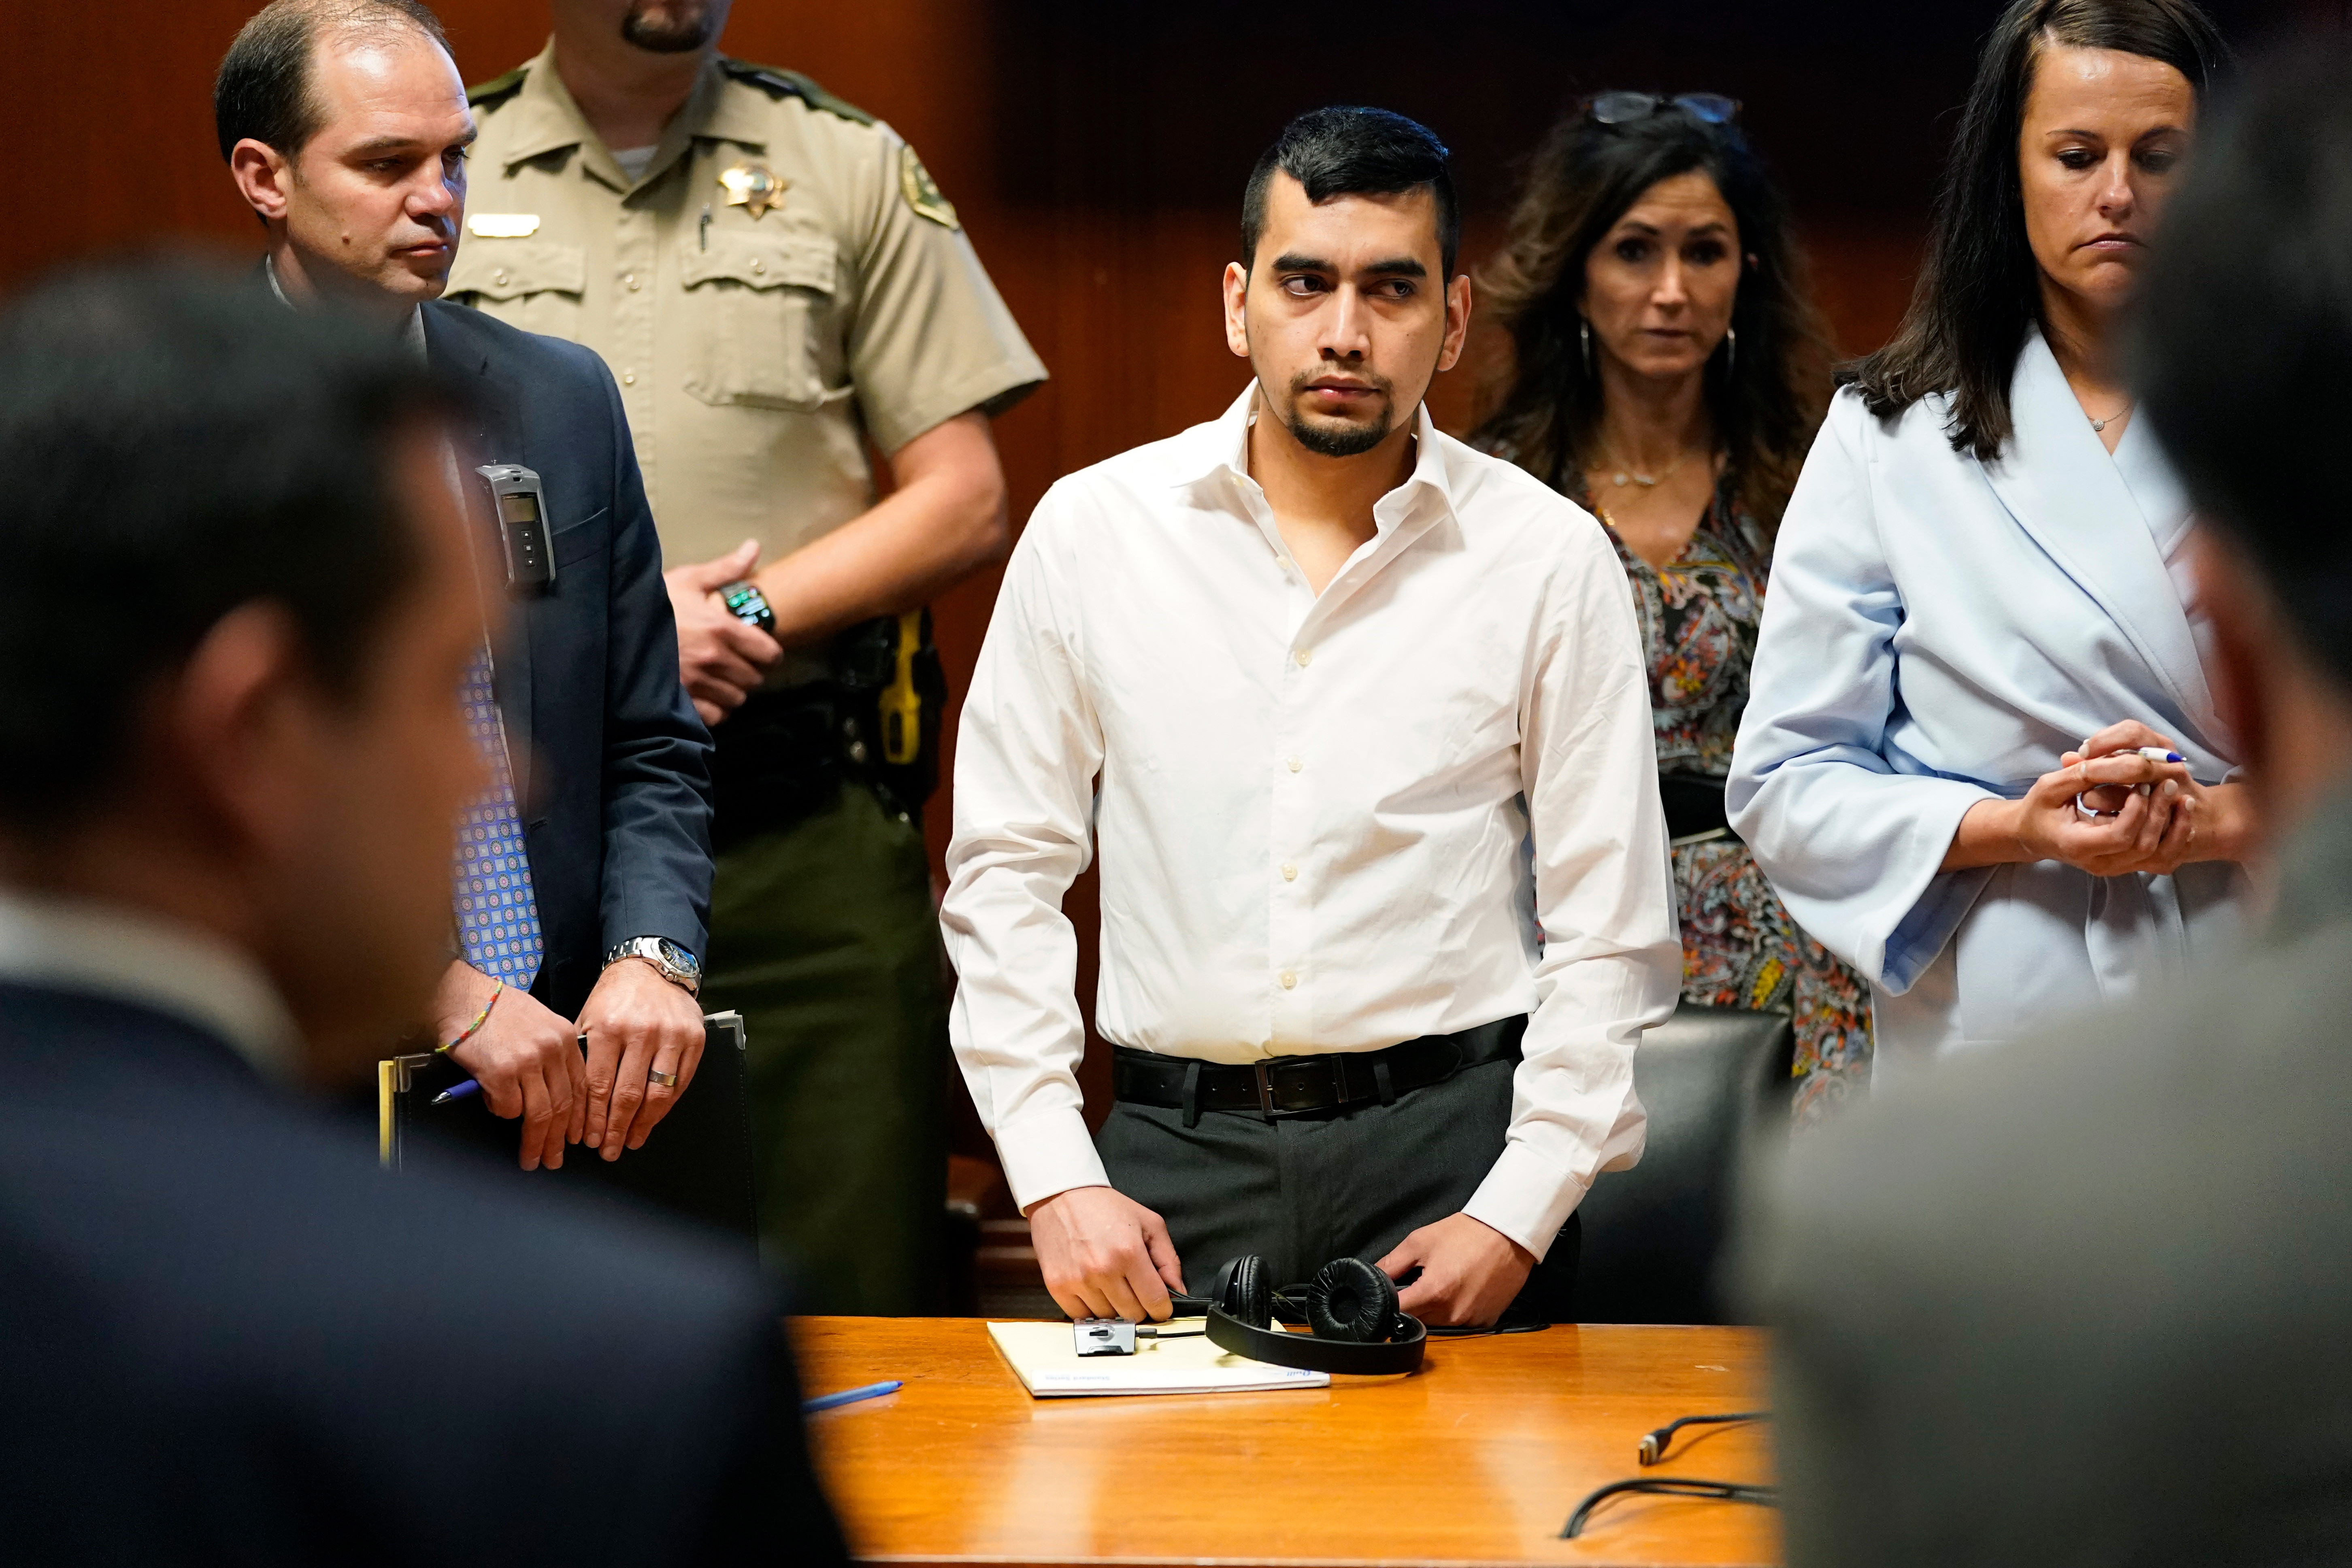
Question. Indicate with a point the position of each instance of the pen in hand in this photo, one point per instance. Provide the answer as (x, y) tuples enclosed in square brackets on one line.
[(474, 1085)]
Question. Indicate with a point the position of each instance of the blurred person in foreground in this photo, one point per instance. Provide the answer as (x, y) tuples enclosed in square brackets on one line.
[(1981, 581), (224, 836), (582, 899), (1668, 370), (2082, 1300)]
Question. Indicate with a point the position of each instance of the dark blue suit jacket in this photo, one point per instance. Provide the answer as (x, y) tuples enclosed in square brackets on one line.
[(612, 764), (227, 1336)]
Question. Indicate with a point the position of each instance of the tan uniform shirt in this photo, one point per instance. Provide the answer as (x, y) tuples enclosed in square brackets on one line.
[(757, 352)]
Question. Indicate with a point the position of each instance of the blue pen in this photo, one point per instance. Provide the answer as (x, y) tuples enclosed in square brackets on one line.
[(2158, 754), (474, 1085), (850, 1396)]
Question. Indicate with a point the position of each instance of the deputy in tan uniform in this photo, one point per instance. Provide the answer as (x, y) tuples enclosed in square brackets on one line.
[(779, 286)]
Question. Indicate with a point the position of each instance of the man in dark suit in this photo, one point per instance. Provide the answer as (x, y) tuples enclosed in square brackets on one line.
[(236, 754), (583, 897), (2084, 1299)]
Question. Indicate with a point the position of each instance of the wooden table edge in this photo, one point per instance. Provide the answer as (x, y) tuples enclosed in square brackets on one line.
[(926, 1560)]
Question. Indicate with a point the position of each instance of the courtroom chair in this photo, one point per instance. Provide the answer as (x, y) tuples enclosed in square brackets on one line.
[(976, 1192), (697, 1165), (1714, 1081)]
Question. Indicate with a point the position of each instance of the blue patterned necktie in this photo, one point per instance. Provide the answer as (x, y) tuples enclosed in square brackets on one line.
[(498, 915)]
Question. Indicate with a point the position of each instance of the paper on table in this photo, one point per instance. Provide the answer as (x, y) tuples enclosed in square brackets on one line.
[(1047, 1363)]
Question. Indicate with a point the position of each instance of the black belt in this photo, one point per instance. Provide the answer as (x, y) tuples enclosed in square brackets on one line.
[(1693, 804), (1298, 1086)]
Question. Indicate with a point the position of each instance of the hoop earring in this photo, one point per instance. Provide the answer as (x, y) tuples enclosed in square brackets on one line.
[(1584, 331), (1730, 351)]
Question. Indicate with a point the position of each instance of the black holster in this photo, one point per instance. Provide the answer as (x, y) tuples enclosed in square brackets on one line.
[(782, 755)]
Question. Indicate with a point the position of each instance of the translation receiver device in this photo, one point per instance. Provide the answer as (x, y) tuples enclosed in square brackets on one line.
[(1117, 1336), (521, 509), (1104, 1336)]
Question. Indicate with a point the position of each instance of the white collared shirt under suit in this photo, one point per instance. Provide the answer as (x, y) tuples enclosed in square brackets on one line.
[(1421, 801)]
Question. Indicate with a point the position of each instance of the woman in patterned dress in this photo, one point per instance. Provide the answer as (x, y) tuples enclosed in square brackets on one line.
[(1668, 372)]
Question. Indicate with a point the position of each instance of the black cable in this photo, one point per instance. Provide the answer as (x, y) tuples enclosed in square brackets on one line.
[(1653, 1445), (1290, 1307), (1671, 1486)]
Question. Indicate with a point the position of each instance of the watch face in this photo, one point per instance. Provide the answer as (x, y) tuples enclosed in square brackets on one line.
[(678, 958)]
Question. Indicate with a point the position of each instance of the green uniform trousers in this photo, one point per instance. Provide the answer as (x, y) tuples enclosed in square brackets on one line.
[(823, 936)]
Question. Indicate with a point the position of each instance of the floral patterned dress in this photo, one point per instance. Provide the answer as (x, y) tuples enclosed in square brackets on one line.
[(1699, 618)]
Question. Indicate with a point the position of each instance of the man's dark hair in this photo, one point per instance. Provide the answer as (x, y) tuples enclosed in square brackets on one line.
[(1980, 288), (175, 444), (1343, 152), (263, 86), (2242, 343)]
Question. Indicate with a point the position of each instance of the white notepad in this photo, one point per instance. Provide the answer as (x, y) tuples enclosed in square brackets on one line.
[(1046, 1359)]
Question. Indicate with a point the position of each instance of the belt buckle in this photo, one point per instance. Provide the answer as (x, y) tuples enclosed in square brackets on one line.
[(1265, 1106)]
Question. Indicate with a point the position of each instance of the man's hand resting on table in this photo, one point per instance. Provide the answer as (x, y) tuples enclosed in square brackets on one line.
[(1104, 1255), (527, 1058), (1469, 1272)]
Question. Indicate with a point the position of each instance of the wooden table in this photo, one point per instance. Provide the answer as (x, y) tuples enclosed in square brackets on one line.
[(1477, 1458)]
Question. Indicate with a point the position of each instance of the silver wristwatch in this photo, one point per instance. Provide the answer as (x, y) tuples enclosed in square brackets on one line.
[(678, 966)]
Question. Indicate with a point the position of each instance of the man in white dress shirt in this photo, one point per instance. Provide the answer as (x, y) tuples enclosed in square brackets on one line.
[(1359, 718)]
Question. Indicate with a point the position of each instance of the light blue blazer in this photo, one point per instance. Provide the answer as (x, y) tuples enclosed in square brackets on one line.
[(1937, 631)]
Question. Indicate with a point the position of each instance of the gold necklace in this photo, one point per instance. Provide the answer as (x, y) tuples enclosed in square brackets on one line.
[(1623, 472), (2100, 425)]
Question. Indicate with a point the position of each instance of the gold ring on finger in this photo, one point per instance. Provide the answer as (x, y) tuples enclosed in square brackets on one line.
[(666, 1079)]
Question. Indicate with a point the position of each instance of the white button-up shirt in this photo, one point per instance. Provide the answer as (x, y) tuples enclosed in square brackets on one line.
[(1421, 801)]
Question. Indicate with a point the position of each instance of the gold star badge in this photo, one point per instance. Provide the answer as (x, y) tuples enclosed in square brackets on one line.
[(753, 186)]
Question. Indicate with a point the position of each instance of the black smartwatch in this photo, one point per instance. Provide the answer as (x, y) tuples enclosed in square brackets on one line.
[(748, 604)]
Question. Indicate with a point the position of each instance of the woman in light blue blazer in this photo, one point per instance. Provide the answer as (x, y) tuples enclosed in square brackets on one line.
[(1981, 604)]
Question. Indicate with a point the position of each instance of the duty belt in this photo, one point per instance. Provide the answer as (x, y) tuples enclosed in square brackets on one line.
[(1301, 1086), (783, 754)]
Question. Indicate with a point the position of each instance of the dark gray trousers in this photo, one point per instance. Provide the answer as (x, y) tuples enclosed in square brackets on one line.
[(1300, 1191)]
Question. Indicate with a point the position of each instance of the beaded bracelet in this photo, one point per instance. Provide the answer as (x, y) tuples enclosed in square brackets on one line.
[(499, 990)]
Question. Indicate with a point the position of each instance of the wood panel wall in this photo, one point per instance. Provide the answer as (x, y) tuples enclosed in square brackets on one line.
[(1096, 154)]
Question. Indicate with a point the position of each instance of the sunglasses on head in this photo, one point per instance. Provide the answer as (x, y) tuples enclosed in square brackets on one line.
[(1624, 108)]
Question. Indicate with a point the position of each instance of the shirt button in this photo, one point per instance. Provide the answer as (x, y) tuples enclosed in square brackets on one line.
[(500, 276), (1295, 763), (1289, 872), (628, 378), (1289, 980), (758, 265), (631, 280), (1304, 655)]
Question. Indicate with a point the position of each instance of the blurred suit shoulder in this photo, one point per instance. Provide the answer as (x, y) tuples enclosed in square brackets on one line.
[(2085, 1288), (226, 1334)]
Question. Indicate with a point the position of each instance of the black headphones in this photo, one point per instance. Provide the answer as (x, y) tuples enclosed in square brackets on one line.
[(1351, 1305)]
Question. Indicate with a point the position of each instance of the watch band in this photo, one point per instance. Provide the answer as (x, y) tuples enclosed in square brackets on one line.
[(748, 604), (674, 965)]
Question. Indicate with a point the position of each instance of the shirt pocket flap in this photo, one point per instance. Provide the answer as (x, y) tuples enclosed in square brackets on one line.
[(511, 268), (763, 261)]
